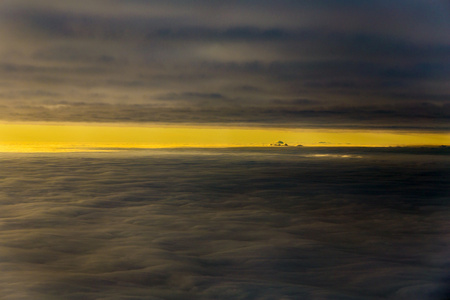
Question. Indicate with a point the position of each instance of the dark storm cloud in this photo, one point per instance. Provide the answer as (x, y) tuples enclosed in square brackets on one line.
[(216, 109), (345, 54), (233, 224)]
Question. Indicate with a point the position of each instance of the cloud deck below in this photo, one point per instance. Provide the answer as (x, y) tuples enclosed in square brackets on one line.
[(225, 224)]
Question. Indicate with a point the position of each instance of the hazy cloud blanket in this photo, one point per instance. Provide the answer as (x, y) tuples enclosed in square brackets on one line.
[(225, 224)]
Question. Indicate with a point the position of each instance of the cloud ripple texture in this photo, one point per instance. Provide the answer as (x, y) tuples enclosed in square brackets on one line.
[(225, 224)]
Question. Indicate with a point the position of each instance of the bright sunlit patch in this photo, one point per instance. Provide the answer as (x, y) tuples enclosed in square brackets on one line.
[(71, 137), (334, 156)]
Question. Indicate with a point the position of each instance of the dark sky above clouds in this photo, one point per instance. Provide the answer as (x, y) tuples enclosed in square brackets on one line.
[(336, 64)]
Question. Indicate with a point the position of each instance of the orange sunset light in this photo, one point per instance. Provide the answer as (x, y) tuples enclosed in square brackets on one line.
[(75, 137)]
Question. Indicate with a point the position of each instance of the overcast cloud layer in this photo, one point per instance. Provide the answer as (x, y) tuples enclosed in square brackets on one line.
[(310, 63), (266, 224)]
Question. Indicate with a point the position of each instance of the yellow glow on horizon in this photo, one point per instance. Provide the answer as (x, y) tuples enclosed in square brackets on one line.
[(49, 137)]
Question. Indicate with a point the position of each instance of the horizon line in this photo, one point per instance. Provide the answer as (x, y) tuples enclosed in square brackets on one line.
[(116, 148)]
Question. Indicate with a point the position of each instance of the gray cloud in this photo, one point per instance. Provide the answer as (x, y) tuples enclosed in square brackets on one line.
[(127, 53), (233, 224), (216, 109)]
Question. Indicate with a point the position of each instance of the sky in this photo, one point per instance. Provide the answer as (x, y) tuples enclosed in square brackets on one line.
[(321, 65)]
